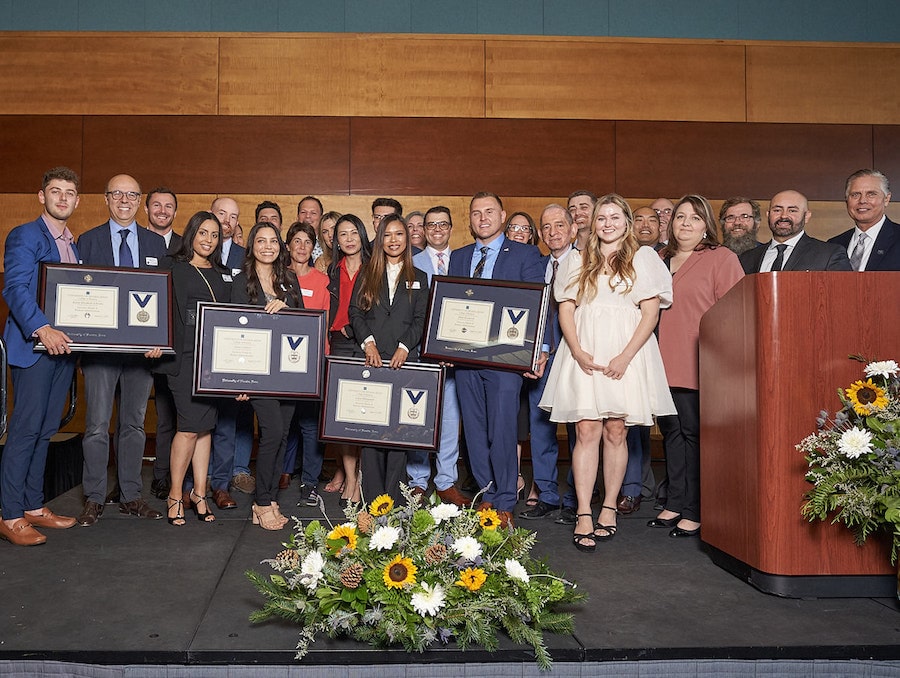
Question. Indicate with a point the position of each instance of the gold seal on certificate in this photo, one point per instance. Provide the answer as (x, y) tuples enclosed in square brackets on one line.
[(413, 403), (465, 320), (512, 324), (83, 306), (142, 308), (294, 353)]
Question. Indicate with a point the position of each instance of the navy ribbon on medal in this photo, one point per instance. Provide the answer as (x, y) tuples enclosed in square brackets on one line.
[(415, 398), (515, 317), (294, 343), (141, 303)]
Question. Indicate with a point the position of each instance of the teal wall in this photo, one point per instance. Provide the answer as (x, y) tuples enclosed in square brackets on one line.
[(800, 20)]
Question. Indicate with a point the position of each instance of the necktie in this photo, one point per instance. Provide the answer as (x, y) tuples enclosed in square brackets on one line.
[(858, 252), (126, 260), (553, 307), (442, 267), (555, 265), (779, 258), (479, 267)]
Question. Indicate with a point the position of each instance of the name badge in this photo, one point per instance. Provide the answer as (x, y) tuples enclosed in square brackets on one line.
[(226, 277), (151, 261), (413, 285), (235, 272), (306, 293)]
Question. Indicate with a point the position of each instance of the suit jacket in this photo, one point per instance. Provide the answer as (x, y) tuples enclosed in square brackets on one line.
[(239, 293), (885, 254), (174, 244), (808, 255), (423, 262), (392, 323), (27, 246), (95, 247), (235, 258)]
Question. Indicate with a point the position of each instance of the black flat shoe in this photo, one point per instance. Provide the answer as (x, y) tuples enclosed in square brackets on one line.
[(664, 522), (680, 532)]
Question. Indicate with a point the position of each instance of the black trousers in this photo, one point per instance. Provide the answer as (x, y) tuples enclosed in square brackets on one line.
[(274, 420), (682, 439), (382, 471)]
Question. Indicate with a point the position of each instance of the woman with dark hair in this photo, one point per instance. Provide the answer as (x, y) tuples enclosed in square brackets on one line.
[(520, 227), (702, 272), (266, 281), (350, 254), (197, 275), (326, 240), (387, 311), (608, 374), (301, 240)]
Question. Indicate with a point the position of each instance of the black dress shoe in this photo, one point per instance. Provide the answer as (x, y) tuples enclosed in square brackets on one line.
[(680, 532), (663, 522), (540, 510), (566, 516), (159, 487)]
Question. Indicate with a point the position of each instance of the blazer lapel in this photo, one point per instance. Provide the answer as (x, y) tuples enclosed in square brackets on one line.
[(797, 256)]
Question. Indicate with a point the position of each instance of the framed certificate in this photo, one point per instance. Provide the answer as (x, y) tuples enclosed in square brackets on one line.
[(243, 349), (118, 310), (381, 407), (485, 323)]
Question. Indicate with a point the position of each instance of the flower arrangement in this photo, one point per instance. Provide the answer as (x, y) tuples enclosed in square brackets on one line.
[(414, 575), (854, 458)]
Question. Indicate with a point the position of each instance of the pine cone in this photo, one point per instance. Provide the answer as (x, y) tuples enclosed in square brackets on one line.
[(351, 576), (365, 522), (435, 553), (288, 559)]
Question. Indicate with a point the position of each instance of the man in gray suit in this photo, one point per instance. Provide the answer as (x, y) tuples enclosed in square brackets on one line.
[(791, 249)]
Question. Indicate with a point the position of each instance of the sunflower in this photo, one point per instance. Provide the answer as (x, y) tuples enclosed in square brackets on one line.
[(489, 519), (399, 572), (382, 505), (472, 578), (345, 534), (866, 397)]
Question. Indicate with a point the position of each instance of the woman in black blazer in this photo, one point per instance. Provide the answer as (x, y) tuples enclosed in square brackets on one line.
[(265, 280), (387, 312)]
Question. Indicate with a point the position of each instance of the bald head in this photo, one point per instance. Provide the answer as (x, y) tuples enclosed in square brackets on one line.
[(788, 214), (123, 198)]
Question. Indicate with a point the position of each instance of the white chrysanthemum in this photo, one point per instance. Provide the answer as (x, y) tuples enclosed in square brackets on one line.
[(311, 570), (429, 600), (855, 442), (515, 570), (882, 368), (443, 512), (467, 547), (384, 538)]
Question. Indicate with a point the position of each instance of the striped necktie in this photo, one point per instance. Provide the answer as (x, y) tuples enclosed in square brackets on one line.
[(479, 267)]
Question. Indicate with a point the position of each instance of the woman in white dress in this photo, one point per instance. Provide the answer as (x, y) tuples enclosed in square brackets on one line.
[(608, 374)]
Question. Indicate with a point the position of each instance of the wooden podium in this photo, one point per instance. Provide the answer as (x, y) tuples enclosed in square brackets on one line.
[(773, 352)]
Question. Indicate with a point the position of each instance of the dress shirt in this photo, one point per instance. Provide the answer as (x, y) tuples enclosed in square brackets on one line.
[(131, 239), (63, 239), (226, 249), (493, 250), (769, 257), (393, 275), (548, 274), (871, 236), (432, 254)]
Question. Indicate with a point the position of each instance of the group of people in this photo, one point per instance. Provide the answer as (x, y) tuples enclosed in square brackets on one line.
[(620, 351)]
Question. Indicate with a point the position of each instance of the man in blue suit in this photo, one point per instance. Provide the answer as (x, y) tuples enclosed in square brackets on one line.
[(489, 399), (874, 244), (40, 380), (119, 242), (435, 260)]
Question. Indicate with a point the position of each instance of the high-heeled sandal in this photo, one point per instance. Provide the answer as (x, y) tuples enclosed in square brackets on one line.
[(520, 487), (207, 516), (265, 517), (609, 529), (283, 518), (576, 538), (179, 513)]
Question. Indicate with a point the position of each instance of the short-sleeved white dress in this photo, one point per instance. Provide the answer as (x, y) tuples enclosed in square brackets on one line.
[(605, 325)]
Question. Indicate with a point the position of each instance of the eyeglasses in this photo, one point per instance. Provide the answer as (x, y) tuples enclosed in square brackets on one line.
[(667, 210), (130, 196), (437, 225), (731, 218), (519, 228)]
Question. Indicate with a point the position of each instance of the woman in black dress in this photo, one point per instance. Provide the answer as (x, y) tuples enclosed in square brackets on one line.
[(265, 280), (197, 276), (387, 311)]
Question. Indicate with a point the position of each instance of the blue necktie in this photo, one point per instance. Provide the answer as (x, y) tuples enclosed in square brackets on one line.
[(126, 260)]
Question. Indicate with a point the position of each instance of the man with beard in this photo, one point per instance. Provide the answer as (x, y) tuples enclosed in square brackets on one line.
[(580, 206), (874, 244), (791, 249), (161, 207), (739, 218), (646, 227)]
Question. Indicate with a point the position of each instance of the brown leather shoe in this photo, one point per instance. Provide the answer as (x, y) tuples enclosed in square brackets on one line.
[(484, 506), (244, 482), (139, 508), (628, 504), (49, 519), (223, 500), (21, 533), (453, 496), (418, 492), (91, 514), (284, 481)]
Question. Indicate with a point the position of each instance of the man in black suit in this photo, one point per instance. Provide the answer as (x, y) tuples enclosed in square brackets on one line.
[(119, 242), (161, 207), (229, 214), (791, 249), (874, 244)]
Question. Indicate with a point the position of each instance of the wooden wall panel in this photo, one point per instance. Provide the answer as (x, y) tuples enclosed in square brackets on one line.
[(352, 75), (32, 144), (887, 155), (219, 154), (113, 74), (833, 84), (614, 80), (461, 157), (724, 159)]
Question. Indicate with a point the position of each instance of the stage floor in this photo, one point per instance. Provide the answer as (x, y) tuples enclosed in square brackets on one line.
[(133, 591)]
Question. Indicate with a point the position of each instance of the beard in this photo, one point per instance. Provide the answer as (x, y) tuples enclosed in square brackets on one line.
[(741, 243)]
